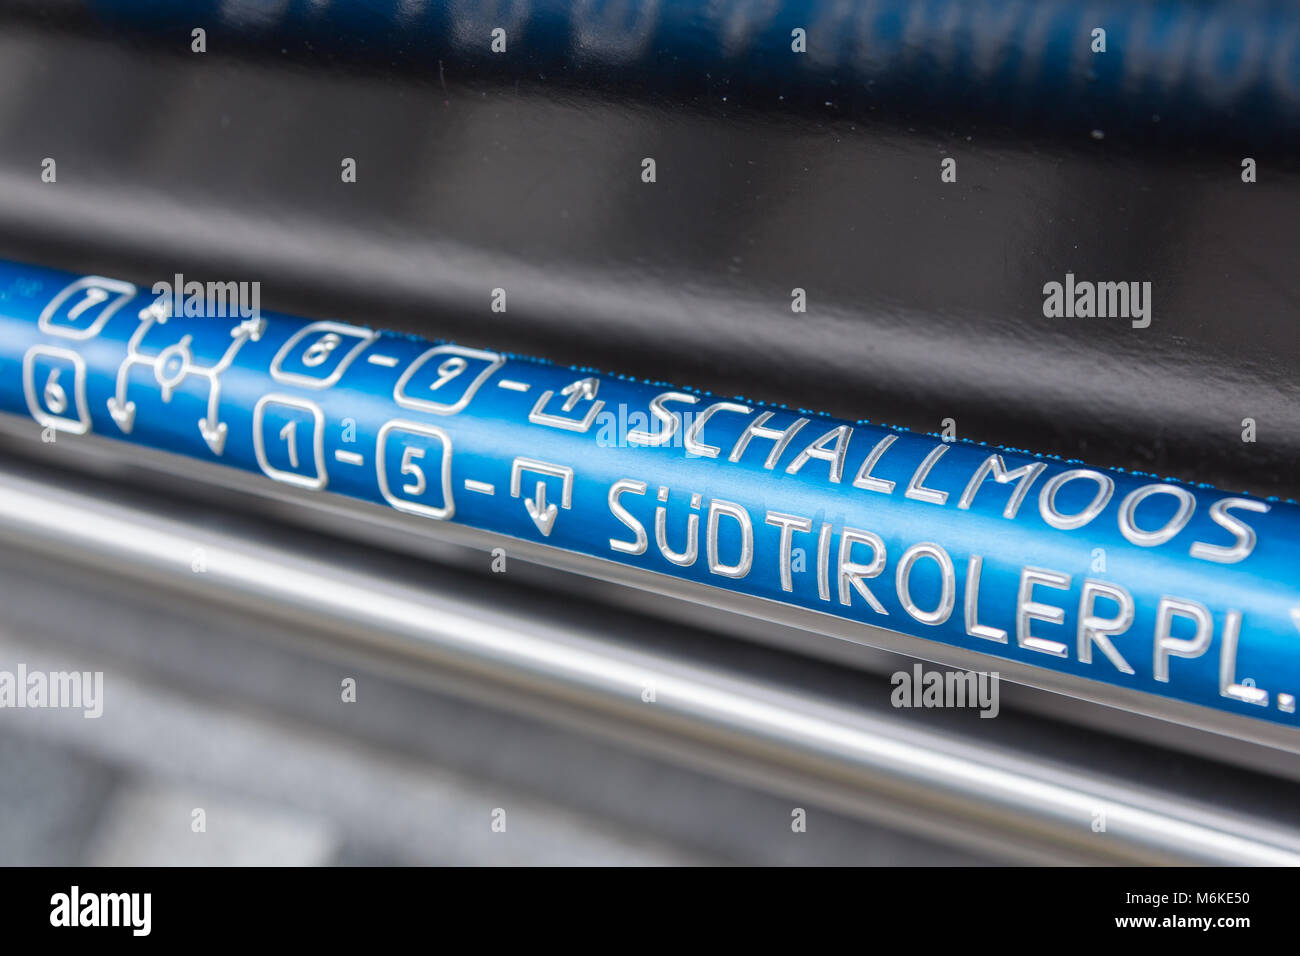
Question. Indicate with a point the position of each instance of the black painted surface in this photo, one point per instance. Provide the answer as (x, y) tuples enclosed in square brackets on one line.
[(925, 298)]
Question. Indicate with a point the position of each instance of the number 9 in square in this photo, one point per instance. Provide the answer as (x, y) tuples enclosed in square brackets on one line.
[(444, 379)]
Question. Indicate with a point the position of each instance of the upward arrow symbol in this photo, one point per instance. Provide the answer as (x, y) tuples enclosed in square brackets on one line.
[(543, 515), (584, 388), (249, 328)]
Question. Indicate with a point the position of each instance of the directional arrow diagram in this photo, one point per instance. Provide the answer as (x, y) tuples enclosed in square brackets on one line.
[(157, 311), (249, 328), (123, 413), (577, 391), (214, 435), (543, 515)]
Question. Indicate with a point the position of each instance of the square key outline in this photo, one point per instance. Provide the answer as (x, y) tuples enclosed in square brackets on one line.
[(75, 426), (310, 381), (444, 408), (404, 504), (321, 478), (539, 417), (118, 287)]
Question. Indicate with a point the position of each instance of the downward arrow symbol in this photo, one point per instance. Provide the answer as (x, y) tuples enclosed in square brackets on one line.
[(123, 413), (543, 515), (214, 435)]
